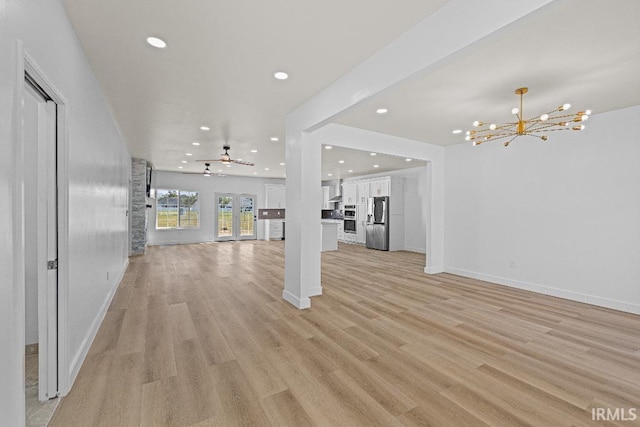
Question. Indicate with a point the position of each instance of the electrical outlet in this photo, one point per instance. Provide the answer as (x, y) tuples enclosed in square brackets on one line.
[(107, 275)]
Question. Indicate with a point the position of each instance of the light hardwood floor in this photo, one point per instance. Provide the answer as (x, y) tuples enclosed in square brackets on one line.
[(200, 335)]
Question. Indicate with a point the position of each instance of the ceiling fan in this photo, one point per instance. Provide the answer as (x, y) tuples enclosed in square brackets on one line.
[(226, 159), (207, 172)]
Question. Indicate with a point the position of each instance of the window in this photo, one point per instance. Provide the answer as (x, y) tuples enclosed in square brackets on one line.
[(177, 209)]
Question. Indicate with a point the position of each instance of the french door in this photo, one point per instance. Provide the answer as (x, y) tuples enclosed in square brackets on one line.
[(235, 217)]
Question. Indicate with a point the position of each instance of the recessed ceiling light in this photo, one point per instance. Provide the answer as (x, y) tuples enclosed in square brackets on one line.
[(281, 164), (266, 169), (239, 160), (184, 161), (329, 174), (373, 154), (228, 166), (340, 161), (382, 111), (188, 154), (328, 147), (180, 167), (407, 160), (254, 151), (195, 143), (156, 42), (350, 171), (219, 170), (255, 173), (376, 166), (205, 128), (457, 131), (274, 139), (281, 75)]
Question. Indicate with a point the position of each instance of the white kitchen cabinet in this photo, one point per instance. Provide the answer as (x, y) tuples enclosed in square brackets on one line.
[(275, 196), (340, 231), (379, 187), (349, 193), (363, 192), (325, 197), (276, 230), (361, 221)]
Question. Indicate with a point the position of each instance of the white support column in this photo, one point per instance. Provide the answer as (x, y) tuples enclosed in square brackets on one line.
[(12, 297), (303, 231)]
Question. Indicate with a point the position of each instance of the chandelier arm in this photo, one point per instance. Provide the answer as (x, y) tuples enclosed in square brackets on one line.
[(549, 125), (554, 130), (506, 144), (496, 137)]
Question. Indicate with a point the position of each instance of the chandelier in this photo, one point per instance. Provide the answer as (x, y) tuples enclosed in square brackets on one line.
[(538, 126)]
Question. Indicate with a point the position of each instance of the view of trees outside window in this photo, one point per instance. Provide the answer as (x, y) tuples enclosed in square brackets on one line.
[(177, 209)]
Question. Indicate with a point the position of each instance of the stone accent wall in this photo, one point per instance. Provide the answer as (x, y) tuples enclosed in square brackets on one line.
[(138, 206)]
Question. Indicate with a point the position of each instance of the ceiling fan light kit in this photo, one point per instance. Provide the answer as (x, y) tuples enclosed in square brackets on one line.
[(538, 126)]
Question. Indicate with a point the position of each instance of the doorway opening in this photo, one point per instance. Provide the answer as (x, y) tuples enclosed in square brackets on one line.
[(40, 135), (235, 217)]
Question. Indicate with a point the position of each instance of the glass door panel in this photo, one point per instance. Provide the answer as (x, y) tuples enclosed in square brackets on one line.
[(224, 217), (247, 217)]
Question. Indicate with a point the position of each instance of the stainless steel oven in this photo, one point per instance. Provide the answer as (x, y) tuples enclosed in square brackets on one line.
[(350, 219)]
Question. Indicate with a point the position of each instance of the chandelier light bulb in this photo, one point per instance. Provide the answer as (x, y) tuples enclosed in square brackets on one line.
[(492, 126), (544, 117), (565, 107), (467, 138), (581, 127), (515, 110), (584, 117), (588, 112), (477, 123)]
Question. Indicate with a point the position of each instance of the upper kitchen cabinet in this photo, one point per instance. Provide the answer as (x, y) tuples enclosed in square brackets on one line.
[(349, 193), (363, 192), (275, 196), (379, 187)]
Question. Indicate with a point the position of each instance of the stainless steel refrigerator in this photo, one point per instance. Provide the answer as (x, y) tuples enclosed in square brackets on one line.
[(378, 223)]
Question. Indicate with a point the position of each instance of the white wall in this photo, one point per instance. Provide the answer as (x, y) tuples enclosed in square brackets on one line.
[(560, 217), (206, 187), (98, 172)]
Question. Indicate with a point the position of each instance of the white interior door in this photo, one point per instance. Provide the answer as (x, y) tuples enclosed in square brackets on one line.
[(235, 217), (48, 287), (45, 222)]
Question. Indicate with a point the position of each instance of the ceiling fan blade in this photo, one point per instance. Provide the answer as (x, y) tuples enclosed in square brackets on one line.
[(200, 173), (209, 161), (241, 162)]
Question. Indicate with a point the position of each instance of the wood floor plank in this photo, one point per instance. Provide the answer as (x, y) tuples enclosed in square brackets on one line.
[(199, 335), (283, 409)]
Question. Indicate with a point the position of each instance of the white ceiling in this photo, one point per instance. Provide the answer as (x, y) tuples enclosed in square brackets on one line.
[(217, 70)]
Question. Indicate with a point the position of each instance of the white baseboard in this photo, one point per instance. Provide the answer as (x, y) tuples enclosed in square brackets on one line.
[(415, 249), (551, 291), (300, 303), (314, 292), (434, 269), (81, 355)]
